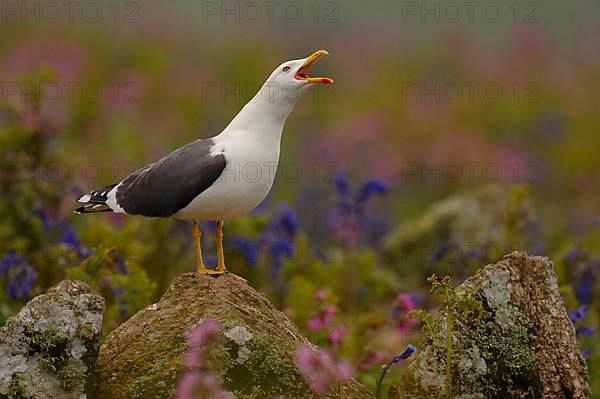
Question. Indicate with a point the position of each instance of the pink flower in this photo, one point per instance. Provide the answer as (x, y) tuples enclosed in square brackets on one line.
[(194, 385), (186, 386), (402, 306), (372, 358), (319, 369), (205, 332), (407, 302), (323, 319), (337, 334), (193, 358), (320, 295), (196, 382)]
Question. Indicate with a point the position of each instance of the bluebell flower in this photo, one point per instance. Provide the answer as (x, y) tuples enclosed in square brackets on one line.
[(21, 282), (585, 289), (586, 353), (572, 255), (21, 275), (348, 215), (9, 261), (341, 183), (288, 220), (247, 248), (369, 187), (68, 236), (395, 360), (578, 314), (585, 331), (404, 355), (121, 266), (278, 251)]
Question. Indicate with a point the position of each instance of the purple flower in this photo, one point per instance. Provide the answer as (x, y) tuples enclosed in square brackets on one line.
[(572, 255), (205, 332), (370, 187), (586, 353), (280, 250), (194, 385), (319, 369), (288, 220), (341, 183), (10, 260), (372, 358), (121, 266), (585, 331), (247, 248), (323, 319), (186, 386), (404, 355), (578, 314), (395, 360), (19, 273), (347, 216), (68, 235), (585, 289), (196, 382), (21, 282), (402, 306), (337, 334)]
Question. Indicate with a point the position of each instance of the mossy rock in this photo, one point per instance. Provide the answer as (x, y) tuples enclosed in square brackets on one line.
[(49, 348), (143, 358), (520, 345)]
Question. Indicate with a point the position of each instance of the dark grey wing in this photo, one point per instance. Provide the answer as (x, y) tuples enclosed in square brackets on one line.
[(171, 183)]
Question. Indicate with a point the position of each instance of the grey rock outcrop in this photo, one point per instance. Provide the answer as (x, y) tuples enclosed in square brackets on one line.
[(521, 344), (49, 348)]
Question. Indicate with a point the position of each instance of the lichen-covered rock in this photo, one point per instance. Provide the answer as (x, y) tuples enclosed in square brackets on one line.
[(50, 347), (143, 357), (519, 344)]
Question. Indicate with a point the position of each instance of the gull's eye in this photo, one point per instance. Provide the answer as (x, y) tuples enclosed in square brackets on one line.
[(286, 68)]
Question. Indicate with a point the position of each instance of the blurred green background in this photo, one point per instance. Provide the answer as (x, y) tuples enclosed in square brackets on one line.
[(454, 133)]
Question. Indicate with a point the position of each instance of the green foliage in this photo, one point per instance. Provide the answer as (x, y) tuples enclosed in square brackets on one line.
[(125, 293)]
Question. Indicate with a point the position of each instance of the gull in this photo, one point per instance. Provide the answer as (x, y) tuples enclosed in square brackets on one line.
[(203, 180)]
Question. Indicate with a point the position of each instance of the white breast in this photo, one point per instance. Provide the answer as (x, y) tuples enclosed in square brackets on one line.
[(247, 179)]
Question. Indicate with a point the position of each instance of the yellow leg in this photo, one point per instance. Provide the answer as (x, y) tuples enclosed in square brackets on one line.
[(220, 256), (196, 234)]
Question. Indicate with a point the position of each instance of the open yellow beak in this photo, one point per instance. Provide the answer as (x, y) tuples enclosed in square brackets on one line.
[(302, 73)]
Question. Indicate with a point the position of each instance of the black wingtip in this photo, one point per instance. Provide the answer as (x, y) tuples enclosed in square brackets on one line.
[(93, 208)]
